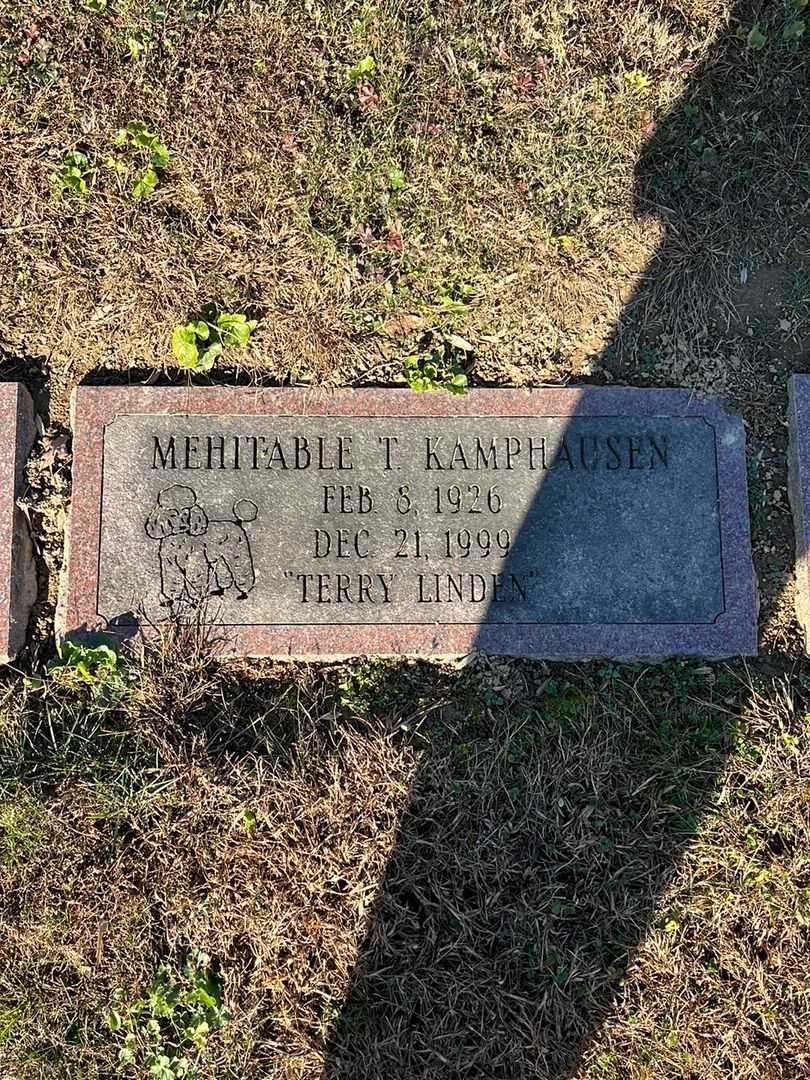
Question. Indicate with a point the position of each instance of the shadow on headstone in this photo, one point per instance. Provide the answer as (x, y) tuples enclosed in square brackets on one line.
[(547, 819)]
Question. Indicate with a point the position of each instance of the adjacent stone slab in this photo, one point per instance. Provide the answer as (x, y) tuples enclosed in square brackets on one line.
[(18, 583), (799, 492), (560, 523)]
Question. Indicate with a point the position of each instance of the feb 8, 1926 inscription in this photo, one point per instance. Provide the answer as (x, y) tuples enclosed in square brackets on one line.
[(560, 523)]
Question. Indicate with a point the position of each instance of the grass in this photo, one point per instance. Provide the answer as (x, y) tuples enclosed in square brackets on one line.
[(406, 868), (499, 870)]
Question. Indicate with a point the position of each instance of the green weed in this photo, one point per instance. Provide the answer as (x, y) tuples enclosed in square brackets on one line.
[(435, 370), (794, 30), (454, 297), (137, 136), (362, 70), (166, 1031), (756, 40), (98, 667), (196, 345), (636, 81), (75, 173)]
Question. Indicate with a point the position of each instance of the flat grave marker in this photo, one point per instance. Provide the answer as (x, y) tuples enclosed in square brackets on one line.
[(18, 583), (564, 523), (799, 492)]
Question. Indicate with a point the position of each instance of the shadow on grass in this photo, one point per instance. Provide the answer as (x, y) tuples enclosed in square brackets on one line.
[(548, 815), (546, 820)]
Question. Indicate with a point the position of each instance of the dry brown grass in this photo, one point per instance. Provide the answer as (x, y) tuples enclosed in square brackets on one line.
[(513, 128), (406, 870)]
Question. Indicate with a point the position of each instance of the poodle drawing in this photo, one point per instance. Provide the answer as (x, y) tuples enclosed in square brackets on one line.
[(200, 557)]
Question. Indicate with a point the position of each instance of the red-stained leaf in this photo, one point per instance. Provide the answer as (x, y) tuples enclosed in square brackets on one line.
[(367, 96), (526, 83), (422, 128), (289, 143), (394, 241)]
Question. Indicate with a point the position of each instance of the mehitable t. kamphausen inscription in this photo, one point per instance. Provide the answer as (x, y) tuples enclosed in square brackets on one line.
[(558, 522)]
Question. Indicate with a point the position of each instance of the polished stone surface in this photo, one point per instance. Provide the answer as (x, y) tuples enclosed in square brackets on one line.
[(570, 523), (799, 491), (18, 583)]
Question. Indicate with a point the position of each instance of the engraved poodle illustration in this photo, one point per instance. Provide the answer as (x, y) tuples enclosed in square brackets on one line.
[(200, 557)]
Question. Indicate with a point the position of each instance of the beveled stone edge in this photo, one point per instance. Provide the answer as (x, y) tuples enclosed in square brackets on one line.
[(18, 565), (733, 634), (799, 499)]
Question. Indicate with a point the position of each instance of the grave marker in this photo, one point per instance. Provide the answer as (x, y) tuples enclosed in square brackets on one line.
[(18, 584), (799, 492), (561, 523)]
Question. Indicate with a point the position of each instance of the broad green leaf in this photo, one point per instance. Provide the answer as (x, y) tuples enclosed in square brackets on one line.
[(160, 155), (794, 30), (146, 185), (202, 330), (105, 655), (362, 69), (235, 329), (756, 40), (184, 345), (237, 335), (206, 361), (114, 1021)]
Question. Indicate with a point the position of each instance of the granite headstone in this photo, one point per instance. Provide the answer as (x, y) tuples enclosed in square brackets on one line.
[(560, 523), (18, 583), (799, 493)]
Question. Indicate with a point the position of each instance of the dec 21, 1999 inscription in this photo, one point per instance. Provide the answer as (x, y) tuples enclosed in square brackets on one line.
[(558, 522)]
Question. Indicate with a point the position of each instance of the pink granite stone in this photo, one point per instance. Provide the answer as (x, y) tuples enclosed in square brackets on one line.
[(589, 522), (17, 571), (799, 492)]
